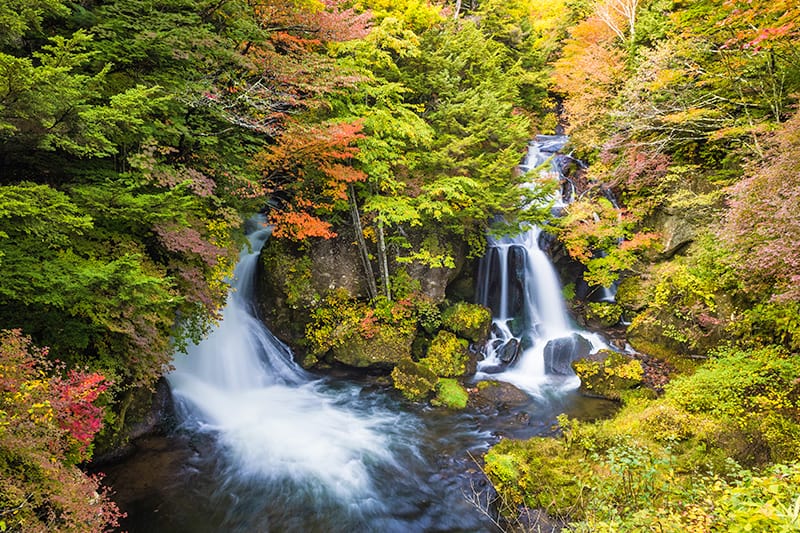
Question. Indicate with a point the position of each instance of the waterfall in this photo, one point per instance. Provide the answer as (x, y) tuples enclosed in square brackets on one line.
[(532, 342), (270, 418)]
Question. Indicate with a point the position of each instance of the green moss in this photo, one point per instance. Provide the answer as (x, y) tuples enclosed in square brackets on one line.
[(413, 380), (450, 394), (447, 355), (385, 348), (540, 473), (470, 321), (608, 373)]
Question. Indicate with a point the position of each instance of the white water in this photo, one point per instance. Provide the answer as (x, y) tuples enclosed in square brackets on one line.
[(539, 314), (272, 421)]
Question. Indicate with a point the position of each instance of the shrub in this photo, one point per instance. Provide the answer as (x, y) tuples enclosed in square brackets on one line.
[(471, 321), (447, 355), (47, 423)]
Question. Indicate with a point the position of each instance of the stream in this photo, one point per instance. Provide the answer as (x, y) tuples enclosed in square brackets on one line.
[(262, 445)]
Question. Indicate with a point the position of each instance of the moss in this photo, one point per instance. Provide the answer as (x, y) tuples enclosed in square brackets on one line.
[(447, 355), (470, 321), (413, 380), (385, 348), (649, 334), (603, 314), (450, 394), (608, 373), (540, 473)]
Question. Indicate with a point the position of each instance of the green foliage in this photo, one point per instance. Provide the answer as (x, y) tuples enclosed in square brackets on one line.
[(673, 463), (447, 355), (450, 394), (754, 390), (471, 321), (608, 373), (413, 380), (603, 313)]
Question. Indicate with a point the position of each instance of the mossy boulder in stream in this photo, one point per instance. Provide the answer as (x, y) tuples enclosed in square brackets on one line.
[(413, 380), (471, 321), (450, 394), (608, 374), (385, 348), (447, 355)]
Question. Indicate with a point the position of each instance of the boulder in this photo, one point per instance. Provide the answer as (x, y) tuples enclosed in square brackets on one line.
[(560, 353), (509, 351), (493, 396)]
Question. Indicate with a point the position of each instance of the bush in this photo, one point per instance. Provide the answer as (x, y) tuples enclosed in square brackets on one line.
[(471, 321), (447, 355), (47, 423)]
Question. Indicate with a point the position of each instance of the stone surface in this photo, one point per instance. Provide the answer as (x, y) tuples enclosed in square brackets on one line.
[(560, 353), (509, 352), (497, 395)]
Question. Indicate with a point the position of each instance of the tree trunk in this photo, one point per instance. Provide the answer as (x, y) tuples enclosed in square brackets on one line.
[(372, 289), (384, 263)]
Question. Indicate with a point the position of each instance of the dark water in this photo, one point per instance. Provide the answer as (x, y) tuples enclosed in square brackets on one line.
[(185, 481)]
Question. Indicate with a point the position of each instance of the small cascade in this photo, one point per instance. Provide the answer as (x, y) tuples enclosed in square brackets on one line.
[(270, 419), (532, 342)]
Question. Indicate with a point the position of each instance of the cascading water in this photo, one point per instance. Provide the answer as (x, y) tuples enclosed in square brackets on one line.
[(294, 453), (532, 342)]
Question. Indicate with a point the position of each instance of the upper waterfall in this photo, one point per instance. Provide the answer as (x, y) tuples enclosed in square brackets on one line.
[(533, 341)]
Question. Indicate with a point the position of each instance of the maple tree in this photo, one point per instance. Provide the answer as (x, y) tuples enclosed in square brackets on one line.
[(46, 424)]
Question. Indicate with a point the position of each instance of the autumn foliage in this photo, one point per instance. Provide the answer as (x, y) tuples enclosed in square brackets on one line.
[(309, 169), (46, 425)]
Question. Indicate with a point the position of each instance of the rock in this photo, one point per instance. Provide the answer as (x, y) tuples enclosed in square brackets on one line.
[(560, 353), (383, 350), (509, 352), (497, 395), (336, 264), (607, 374), (413, 380)]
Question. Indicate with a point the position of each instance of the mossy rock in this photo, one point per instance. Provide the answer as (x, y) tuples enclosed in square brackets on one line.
[(663, 340), (447, 356), (450, 394), (413, 380), (471, 321), (539, 473), (608, 374), (383, 350), (603, 314), (496, 395), (632, 294)]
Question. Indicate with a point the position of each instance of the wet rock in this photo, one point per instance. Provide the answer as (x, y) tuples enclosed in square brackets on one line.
[(560, 353), (493, 396), (509, 352)]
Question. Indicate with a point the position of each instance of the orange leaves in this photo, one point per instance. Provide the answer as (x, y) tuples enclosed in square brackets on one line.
[(299, 225), (310, 167)]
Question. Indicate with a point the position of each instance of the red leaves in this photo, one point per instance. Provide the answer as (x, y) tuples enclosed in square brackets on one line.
[(74, 404)]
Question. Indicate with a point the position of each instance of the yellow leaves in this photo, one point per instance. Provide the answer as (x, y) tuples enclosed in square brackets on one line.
[(692, 114)]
